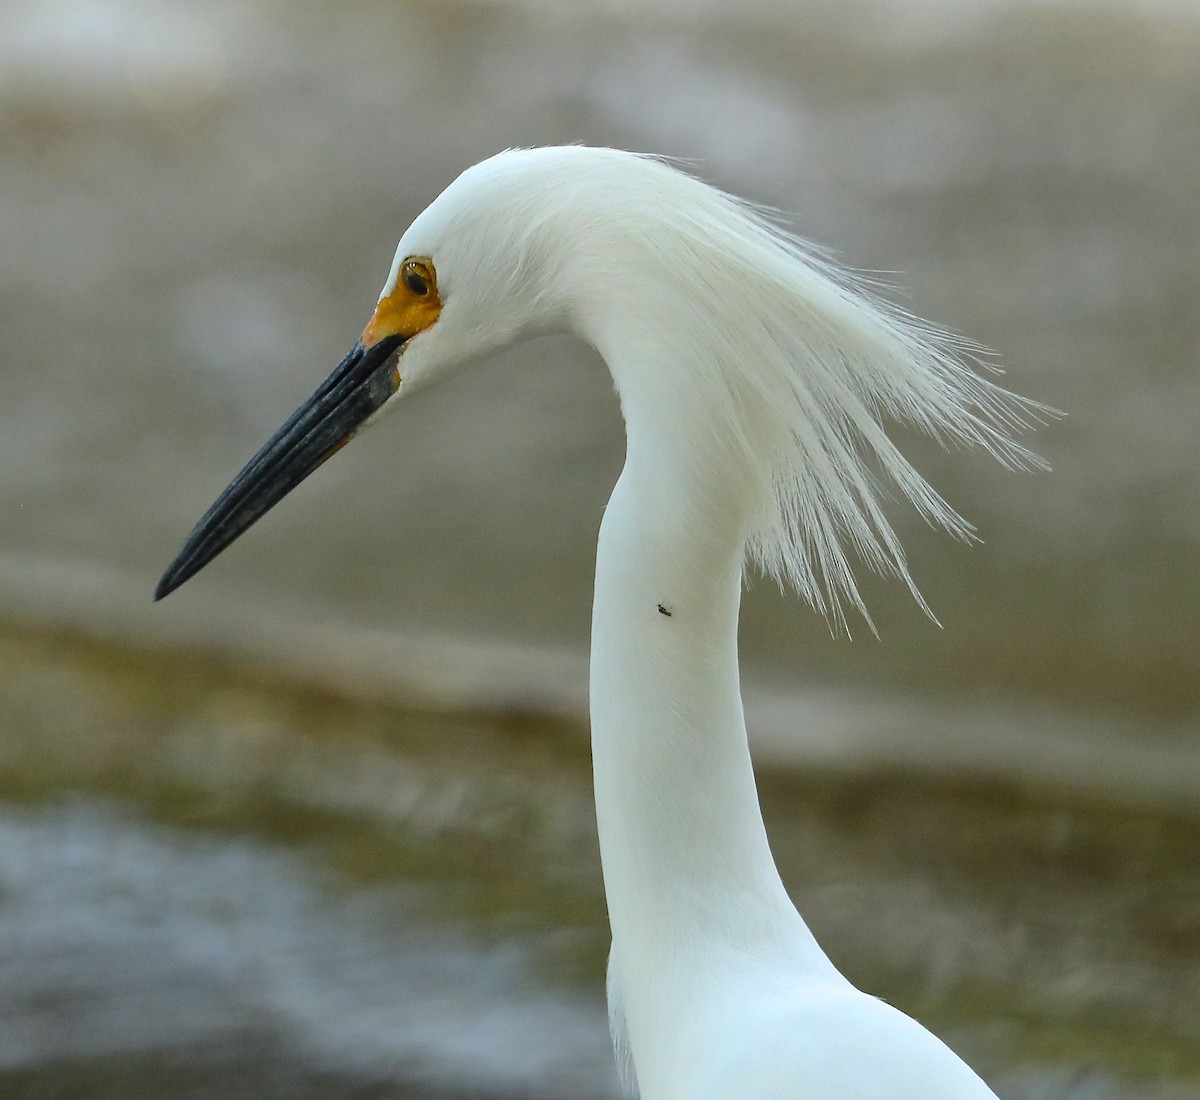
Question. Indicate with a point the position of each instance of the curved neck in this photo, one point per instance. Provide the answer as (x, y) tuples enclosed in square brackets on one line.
[(688, 873), (681, 833)]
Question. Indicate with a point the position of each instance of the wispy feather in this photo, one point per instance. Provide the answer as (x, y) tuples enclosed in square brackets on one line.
[(813, 363)]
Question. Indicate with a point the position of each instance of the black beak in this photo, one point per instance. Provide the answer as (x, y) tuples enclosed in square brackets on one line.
[(359, 386)]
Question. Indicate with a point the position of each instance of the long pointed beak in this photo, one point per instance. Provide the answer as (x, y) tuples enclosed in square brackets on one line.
[(359, 386)]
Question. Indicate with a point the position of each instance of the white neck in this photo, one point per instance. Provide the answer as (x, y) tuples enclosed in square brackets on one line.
[(688, 873)]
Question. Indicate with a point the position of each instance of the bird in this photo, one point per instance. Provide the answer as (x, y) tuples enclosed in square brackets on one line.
[(757, 380)]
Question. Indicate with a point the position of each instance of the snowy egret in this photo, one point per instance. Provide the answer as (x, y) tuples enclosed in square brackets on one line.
[(753, 378)]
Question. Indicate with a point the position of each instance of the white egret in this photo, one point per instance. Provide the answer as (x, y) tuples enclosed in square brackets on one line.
[(754, 379)]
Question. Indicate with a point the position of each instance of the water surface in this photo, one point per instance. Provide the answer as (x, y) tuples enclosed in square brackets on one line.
[(215, 880)]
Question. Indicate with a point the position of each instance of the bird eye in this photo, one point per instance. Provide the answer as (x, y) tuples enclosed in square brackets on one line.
[(416, 277)]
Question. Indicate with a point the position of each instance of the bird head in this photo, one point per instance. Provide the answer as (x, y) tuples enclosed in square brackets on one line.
[(470, 276), (475, 272), (732, 344)]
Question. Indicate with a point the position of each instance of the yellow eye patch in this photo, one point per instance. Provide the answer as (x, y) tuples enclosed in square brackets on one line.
[(410, 308)]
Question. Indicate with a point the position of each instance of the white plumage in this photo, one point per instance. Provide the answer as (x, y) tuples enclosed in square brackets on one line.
[(755, 379)]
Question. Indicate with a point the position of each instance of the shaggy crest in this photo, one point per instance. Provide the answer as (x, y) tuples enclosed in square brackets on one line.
[(804, 364)]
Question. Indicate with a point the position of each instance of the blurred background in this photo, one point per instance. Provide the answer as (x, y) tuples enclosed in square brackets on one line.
[(320, 825)]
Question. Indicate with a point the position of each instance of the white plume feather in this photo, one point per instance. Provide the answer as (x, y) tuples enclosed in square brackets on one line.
[(809, 364), (837, 362)]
